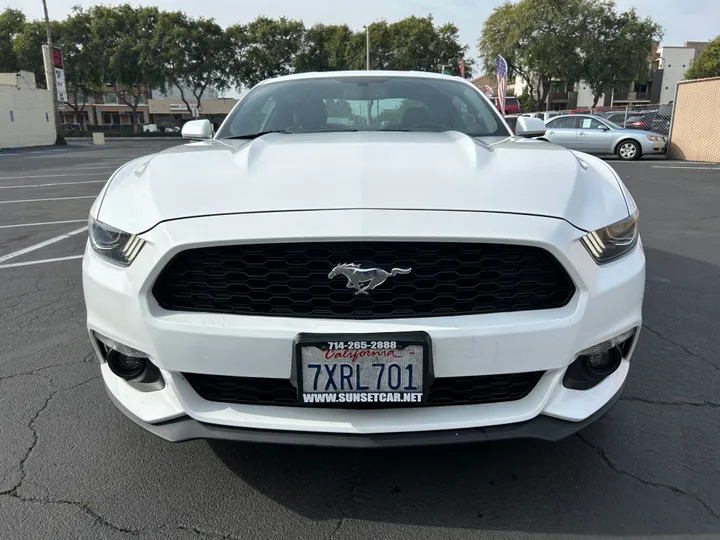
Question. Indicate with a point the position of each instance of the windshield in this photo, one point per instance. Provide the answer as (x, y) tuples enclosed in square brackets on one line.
[(372, 103)]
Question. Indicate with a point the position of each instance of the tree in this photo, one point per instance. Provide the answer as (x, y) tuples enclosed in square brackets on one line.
[(324, 48), (265, 48), (198, 55), (28, 48), (451, 51), (540, 39), (82, 62), (12, 22), (616, 49), (130, 62), (707, 64)]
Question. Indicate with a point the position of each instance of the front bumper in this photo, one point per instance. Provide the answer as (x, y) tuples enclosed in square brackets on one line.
[(120, 305), (541, 427)]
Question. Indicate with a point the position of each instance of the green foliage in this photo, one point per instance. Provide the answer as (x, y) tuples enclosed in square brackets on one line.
[(12, 22), (134, 49), (616, 50), (707, 64), (569, 40), (28, 47), (81, 60), (324, 48), (264, 48), (124, 38), (197, 54), (527, 102)]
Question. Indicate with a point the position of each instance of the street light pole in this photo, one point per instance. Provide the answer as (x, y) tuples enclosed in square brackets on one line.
[(367, 47), (59, 139)]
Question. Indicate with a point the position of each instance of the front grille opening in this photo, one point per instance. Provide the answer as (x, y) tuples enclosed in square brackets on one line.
[(443, 391), (291, 280)]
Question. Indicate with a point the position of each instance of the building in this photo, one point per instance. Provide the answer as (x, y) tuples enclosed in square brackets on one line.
[(174, 112), (26, 112), (103, 107)]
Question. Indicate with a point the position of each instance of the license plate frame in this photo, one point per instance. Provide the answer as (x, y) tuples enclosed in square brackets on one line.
[(418, 338)]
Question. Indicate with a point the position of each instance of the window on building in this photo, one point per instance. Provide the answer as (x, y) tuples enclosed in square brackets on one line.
[(110, 98), (558, 86), (111, 118), (142, 100), (640, 87)]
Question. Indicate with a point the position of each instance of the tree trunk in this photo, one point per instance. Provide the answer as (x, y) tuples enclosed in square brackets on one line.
[(185, 101), (59, 139)]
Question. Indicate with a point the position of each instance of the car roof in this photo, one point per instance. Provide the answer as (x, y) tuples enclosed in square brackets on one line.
[(363, 73)]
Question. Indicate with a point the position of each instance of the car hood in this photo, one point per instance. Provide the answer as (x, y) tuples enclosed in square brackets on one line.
[(329, 171)]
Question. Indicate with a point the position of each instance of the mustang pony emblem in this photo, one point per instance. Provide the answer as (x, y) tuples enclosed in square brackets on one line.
[(364, 279)]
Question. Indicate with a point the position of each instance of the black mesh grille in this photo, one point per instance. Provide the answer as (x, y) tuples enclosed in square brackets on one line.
[(292, 280), (443, 391)]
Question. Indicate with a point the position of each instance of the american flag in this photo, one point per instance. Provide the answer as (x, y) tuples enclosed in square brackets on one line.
[(462, 68), (501, 69)]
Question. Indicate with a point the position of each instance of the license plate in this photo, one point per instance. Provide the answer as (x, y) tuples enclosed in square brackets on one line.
[(380, 370)]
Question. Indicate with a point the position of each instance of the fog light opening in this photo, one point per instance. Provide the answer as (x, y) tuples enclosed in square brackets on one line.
[(604, 363), (126, 367)]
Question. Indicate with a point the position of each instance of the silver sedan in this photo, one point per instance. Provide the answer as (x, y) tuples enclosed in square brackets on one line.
[(596, 135)]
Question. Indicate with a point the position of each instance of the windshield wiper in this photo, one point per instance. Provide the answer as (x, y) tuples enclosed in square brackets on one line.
[(260, 134)]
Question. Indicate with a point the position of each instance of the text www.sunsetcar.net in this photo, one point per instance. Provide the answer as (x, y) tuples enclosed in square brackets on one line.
[(364, 397)]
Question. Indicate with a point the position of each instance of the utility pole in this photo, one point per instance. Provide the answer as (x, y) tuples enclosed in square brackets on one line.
[(59, 139), (367, 47)]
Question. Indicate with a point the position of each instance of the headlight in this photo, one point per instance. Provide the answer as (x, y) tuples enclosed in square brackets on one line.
[(613, 241), (655, 138), (112, 244)]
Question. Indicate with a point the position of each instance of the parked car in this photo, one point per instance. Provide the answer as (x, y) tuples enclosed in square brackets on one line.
[(309, 282), (657, 120), (596, 135), (512, 104)]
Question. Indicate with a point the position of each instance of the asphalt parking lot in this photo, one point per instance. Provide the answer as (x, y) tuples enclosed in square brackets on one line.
[(72, 466)]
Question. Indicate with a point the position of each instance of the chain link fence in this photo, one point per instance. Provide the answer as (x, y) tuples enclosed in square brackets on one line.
[(646, 117)]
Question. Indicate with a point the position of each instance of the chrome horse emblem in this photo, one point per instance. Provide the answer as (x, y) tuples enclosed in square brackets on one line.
[(364, 279)]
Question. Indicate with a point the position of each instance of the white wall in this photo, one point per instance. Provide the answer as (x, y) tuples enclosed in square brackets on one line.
[(675, 61), (29, 125), (585, 96)]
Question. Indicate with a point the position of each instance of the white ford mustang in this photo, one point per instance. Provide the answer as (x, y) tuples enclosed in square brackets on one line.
[(363, 259)]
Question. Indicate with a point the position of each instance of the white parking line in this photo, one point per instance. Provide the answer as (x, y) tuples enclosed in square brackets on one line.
[(677, 167), (41, 244), (42, 223), (53, 199), (42, 261), (54, 184), (48, 176)]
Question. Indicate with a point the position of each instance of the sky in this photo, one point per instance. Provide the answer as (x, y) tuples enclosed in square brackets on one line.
[(683, 20)]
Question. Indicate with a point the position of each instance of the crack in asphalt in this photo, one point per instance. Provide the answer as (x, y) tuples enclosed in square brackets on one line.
[(681, 346), (704, 403), (101, 520), (13, 492), (31, 426), (87, 359), (657, 485)]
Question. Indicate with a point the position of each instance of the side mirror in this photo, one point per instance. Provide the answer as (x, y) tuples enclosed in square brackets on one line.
[(197, 130), (530, 127), (603, 128)]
